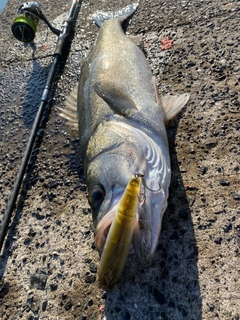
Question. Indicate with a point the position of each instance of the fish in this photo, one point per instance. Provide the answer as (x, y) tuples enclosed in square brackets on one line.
[(122, 121)]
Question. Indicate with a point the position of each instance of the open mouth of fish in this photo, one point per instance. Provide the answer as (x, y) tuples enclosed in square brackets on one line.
[(127, 223)]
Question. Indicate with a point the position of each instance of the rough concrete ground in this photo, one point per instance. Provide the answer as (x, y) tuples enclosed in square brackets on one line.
[(49, 269)]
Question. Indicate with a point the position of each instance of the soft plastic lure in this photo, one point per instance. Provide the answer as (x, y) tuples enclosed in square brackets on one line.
[(120, 234)]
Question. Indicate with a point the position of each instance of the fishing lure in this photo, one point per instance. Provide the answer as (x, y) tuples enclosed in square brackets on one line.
[(120, 234)]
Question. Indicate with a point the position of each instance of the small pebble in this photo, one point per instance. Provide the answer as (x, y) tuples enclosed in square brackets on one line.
[(38, 281), (236, 168), (236, 196), (160, 298), (53, 287), (64, 296), (93, 267), (203, 170), (53, 184), (44, 305), (224, 183), (227, 227), (68, 305), (191, 200), (90, 302), (210, 144), (218, 240), (90, 278), (104, 295), (27, 241)]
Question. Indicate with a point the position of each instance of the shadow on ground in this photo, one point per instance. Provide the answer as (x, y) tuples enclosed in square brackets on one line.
[(35, 86)]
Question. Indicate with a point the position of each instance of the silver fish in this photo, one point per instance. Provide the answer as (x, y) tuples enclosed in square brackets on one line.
[(121, 123)]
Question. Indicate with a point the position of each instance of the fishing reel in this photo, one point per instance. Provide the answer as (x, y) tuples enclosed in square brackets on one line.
[(25, 24)]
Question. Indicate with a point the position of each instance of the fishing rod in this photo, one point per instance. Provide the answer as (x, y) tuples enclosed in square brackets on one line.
[(24, 29)]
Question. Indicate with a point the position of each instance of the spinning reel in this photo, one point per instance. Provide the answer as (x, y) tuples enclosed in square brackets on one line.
[(25, 24)]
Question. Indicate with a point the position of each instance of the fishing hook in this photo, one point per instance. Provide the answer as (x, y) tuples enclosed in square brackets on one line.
[(145, 185), (141, 175)]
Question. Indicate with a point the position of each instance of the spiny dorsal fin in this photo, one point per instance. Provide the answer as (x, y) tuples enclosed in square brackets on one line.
[(172, 105), (70, 112), (117, 98)]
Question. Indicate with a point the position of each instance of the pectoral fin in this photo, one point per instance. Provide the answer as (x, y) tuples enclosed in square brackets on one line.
[(172, 105), (117, 98)]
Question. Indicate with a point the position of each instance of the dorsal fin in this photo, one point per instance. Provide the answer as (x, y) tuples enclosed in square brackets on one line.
[(70, 112), (116, 97)]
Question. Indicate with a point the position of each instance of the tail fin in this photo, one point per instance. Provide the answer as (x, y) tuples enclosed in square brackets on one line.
[(99, 17)]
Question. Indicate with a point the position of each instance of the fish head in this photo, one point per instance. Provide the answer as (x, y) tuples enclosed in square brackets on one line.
[(107, 177)]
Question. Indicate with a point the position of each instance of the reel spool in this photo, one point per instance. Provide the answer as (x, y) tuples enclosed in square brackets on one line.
[(25, 24)]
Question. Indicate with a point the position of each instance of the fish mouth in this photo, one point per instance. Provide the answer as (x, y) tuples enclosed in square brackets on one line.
[(115, 234), (103, 228), (104, 225)]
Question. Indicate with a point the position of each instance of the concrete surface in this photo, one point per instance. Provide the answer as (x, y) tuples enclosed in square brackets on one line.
[(48, 268)]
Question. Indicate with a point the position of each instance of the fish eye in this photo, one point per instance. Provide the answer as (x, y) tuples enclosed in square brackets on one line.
[(96, 195)]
